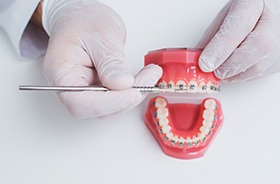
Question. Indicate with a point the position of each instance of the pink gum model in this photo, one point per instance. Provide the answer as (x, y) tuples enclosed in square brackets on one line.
[(183, 130), (180, 70)]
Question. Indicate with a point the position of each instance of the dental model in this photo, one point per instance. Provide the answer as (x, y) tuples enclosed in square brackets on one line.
[(183, 130), (181, 71)]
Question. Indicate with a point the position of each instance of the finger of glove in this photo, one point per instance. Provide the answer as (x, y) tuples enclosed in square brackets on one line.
[(102, 34), (275, 68), (252, 73), (100, 104), (64, 63), (214, 26), (148, 76), (106, 51), (63, 72), (240, 21), (258, 46), (90, 104)]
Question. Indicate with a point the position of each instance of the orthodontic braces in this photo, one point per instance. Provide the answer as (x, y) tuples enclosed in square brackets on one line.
[(183, 88), (189, 142)]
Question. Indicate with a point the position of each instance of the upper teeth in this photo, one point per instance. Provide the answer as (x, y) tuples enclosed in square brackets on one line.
[(171, 84), (193, 87), (205, 129), (202, 88), (162, 84), (180, 84), (190, 87)]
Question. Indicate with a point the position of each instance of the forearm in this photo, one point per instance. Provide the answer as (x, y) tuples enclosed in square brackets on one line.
[(37, 15)]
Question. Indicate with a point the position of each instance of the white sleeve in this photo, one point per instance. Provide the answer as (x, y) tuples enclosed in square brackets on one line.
[(28, 40)]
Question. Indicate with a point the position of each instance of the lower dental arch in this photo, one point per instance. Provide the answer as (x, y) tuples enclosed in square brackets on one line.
[(163, 123)]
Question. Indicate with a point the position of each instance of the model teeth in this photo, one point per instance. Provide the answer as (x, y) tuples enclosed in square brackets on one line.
[(165, 129), (162, 112), (193, 87), (171, 84), (209, 87), (195, 140), (175, 139), (169, 135), (160, 102), (207, 123), (204, 130), (202, 88), (210, 104), (189, 141), (182, 141), (214, 89), (162, 84), (163, 121), (202, 135), (208, 115), (190, 87), (180, 84)]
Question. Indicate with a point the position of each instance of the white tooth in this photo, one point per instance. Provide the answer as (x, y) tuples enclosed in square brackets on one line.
[(210, 104), (216, 87), (162, 112), (207, 123), (163, 121), (195, 139), (175, 139), (160, 102), (201, 136), (169, 135), (171, 84), (204, 130), (182, 140), (189, 141), (162, 84), (180, 84), (202, 88), (193, 87), (165, 129), (209, 85), (208, 115)]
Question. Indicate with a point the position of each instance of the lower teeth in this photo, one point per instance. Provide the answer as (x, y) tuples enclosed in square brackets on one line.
[(165, 129)]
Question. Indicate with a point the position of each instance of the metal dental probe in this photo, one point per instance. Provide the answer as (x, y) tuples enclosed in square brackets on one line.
[(90, 88)]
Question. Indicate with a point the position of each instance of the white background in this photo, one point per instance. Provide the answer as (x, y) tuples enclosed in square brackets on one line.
[(41, 143)]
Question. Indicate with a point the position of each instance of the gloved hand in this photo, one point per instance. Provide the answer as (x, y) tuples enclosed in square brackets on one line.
[(243, 41), (86, 47)]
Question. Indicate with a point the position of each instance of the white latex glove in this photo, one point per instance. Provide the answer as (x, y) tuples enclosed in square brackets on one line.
[(86, 47), (243, 42)]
